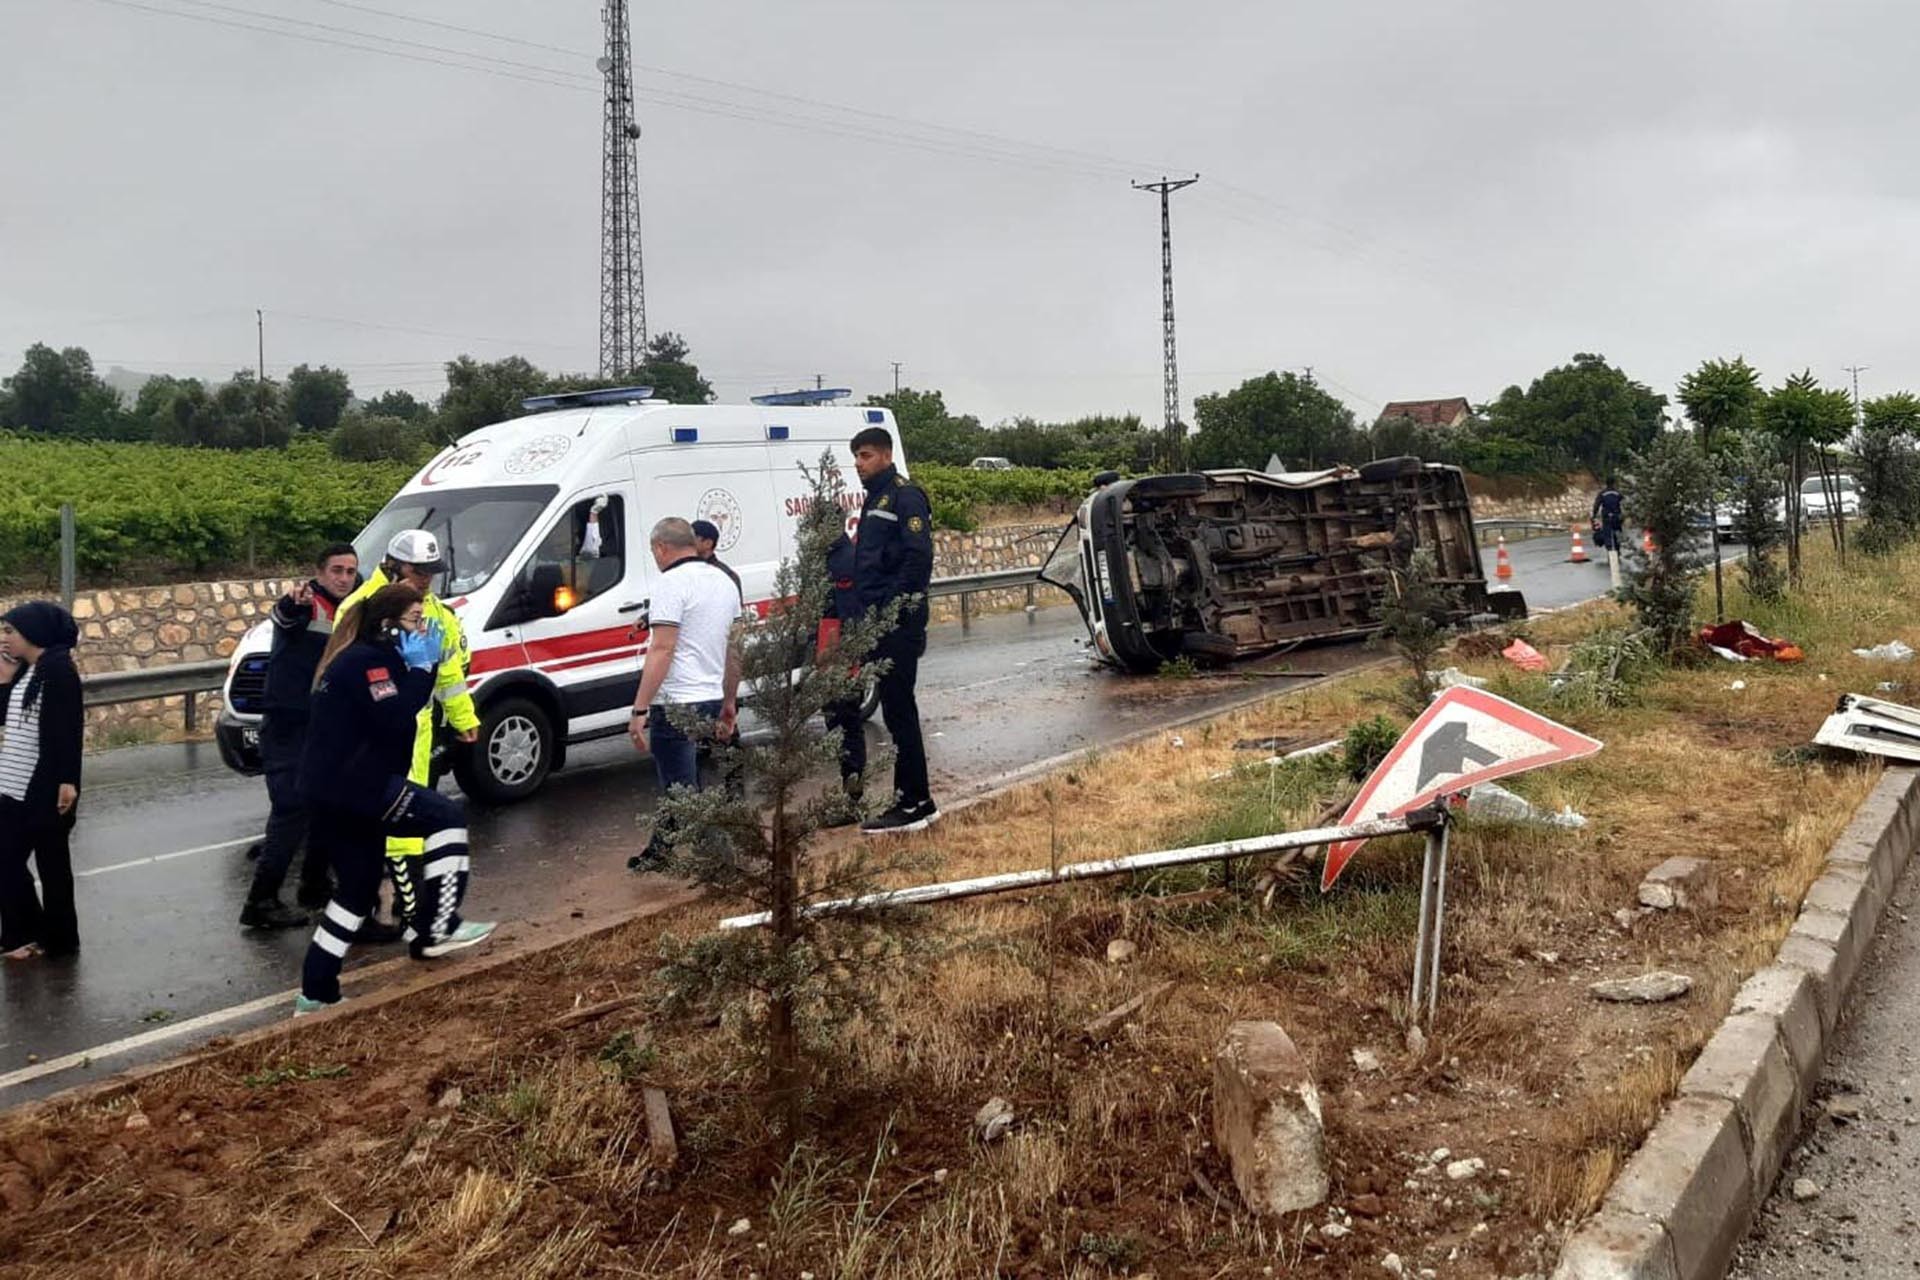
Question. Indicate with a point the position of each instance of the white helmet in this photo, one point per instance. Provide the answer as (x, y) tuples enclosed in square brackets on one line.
[(416, 547)]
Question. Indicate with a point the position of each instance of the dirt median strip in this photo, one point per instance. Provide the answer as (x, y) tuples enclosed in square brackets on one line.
[(445, 975), (1687, 1197)]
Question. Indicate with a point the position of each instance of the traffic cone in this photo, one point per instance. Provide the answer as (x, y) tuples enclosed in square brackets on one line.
[(1502, 566), (1646, 541), (1579, 553)]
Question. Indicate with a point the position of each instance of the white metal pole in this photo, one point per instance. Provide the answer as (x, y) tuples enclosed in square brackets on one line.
[(947, 891), (1420, 942), (1439, 922)]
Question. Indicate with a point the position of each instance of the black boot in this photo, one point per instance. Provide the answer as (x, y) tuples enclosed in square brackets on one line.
[(271, 913)]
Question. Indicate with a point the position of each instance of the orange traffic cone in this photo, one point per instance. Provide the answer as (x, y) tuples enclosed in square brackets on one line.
[(1646, 541), (1579, 552), (1502, 566)]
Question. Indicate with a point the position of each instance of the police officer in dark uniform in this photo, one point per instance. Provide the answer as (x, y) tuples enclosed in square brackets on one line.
[(893, 560), (1608, 517)]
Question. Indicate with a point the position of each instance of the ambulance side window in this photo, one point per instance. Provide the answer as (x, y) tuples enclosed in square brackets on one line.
[(584, 551)]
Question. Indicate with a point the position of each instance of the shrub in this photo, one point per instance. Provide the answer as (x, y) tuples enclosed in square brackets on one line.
[(1667, 486), (1366, 745)]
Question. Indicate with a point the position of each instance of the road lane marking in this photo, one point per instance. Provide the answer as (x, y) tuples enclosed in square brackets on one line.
[(41, 1070), (168, 857)]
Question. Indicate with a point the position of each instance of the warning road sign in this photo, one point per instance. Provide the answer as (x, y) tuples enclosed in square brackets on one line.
[(1464, 737)]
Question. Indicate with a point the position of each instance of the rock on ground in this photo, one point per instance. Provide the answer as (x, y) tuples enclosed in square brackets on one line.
[(1648, 988), (1266, 1119), (1680, 883)]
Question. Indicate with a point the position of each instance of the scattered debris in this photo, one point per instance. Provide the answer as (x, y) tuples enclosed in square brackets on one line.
[(1366, 1060), (1176, 741), (450, 1098), (1462, 1170), (939, 1177), (1317, 749), (993, 1119), (1121, 950), (1737, 685), (1455, 676), (1805, 1189), (1860, 723), (1333, 1231), (1547, 957), (660, 1140), (1891, 651), (740, 1227), (587, 1013), (1491, 800), (1680, 882), (1272, 742), (1739, 641), (1102, 1028), (1266, 1119), (1647, 988), (1524, 656)]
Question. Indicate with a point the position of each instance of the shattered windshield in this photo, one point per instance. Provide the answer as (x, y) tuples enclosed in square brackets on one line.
[(477, 528), (1066, 568)]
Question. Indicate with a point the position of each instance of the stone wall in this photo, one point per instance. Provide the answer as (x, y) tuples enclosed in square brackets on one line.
[(1564, 507), (132, 628)]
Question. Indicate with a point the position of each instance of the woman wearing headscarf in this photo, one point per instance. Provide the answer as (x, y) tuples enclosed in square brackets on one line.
[(41, 722)]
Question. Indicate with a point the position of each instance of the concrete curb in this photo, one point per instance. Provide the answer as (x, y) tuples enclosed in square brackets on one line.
[(1684, 1201)]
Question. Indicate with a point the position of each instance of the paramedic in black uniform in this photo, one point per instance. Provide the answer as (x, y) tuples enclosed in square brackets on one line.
[(893, 560)]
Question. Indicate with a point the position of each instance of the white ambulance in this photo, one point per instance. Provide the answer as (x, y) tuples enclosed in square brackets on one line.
[(555, 623)]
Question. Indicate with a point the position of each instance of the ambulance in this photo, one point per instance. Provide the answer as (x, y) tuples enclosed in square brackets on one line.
[(555, 619)]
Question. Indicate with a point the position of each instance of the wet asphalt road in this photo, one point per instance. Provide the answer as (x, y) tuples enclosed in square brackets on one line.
[(1865, 1222), (159, 851)]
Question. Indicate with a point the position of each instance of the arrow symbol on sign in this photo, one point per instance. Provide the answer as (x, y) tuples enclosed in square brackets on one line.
[(1446, 751)]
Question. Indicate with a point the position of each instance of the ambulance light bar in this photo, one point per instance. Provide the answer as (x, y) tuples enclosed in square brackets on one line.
[(824, 395), (580, 399)]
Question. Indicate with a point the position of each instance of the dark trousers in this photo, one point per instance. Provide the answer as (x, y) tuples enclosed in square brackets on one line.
[(676, 760), (356, 848), (24, 916), (902, 715), (844, 718), (281, 742)]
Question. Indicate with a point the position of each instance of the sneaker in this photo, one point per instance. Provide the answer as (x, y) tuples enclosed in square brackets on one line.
[(303, 1006), (902, 818), (467, 935), (271, 913), (376, 932)]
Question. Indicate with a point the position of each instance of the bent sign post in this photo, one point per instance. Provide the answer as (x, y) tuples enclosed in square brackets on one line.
[(1465, 736)]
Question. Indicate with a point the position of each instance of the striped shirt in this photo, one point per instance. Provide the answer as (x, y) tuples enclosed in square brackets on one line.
[(19, 741)]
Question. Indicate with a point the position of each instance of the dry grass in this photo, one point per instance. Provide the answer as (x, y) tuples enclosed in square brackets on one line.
[(545, 1170)]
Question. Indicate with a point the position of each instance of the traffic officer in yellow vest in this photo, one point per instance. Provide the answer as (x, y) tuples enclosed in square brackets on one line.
[(413, 557)]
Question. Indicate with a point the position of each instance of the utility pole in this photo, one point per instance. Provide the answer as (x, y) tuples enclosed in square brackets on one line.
[(819, 381), (896, 377), (623, 284), (1856, 370), (1170, 373), (260, 332)]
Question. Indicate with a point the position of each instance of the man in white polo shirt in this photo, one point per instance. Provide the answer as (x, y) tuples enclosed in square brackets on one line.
[(693, 663)]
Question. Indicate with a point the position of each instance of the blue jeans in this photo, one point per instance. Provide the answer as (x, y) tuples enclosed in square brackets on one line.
[(676, 757)]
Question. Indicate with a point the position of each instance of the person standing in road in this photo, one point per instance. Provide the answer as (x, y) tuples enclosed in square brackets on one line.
[(414, 557), (302, 623), (893, 560), (692, 670), (1609, 516), (40, 737), (375, 678), (706, 536)]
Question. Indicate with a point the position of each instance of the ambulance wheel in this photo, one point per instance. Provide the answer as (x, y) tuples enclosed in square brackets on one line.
[(870, 701), (512, 757)]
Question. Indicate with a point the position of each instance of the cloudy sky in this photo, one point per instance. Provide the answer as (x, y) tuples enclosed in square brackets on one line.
[(1420, 198)]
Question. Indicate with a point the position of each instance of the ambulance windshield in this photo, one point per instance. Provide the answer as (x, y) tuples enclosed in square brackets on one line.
[(477, 528)]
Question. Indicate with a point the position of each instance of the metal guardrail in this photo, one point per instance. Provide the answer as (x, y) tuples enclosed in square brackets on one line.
[(177, 679)]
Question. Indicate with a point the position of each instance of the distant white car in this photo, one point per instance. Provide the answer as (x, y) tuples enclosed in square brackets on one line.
[(991, 464), (1813, 498)]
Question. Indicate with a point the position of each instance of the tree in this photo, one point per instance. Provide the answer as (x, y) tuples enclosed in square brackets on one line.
[(1666, 488), (671, 375), (928, 431), (396, 403), (1799, 413), (58, 393), (805, 972), (483, 392), (1889, 472), (317, 397), (366, 437), (1586, 413), (1275, 413), (1415, 619), (1755, 471), (1720, 396)]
